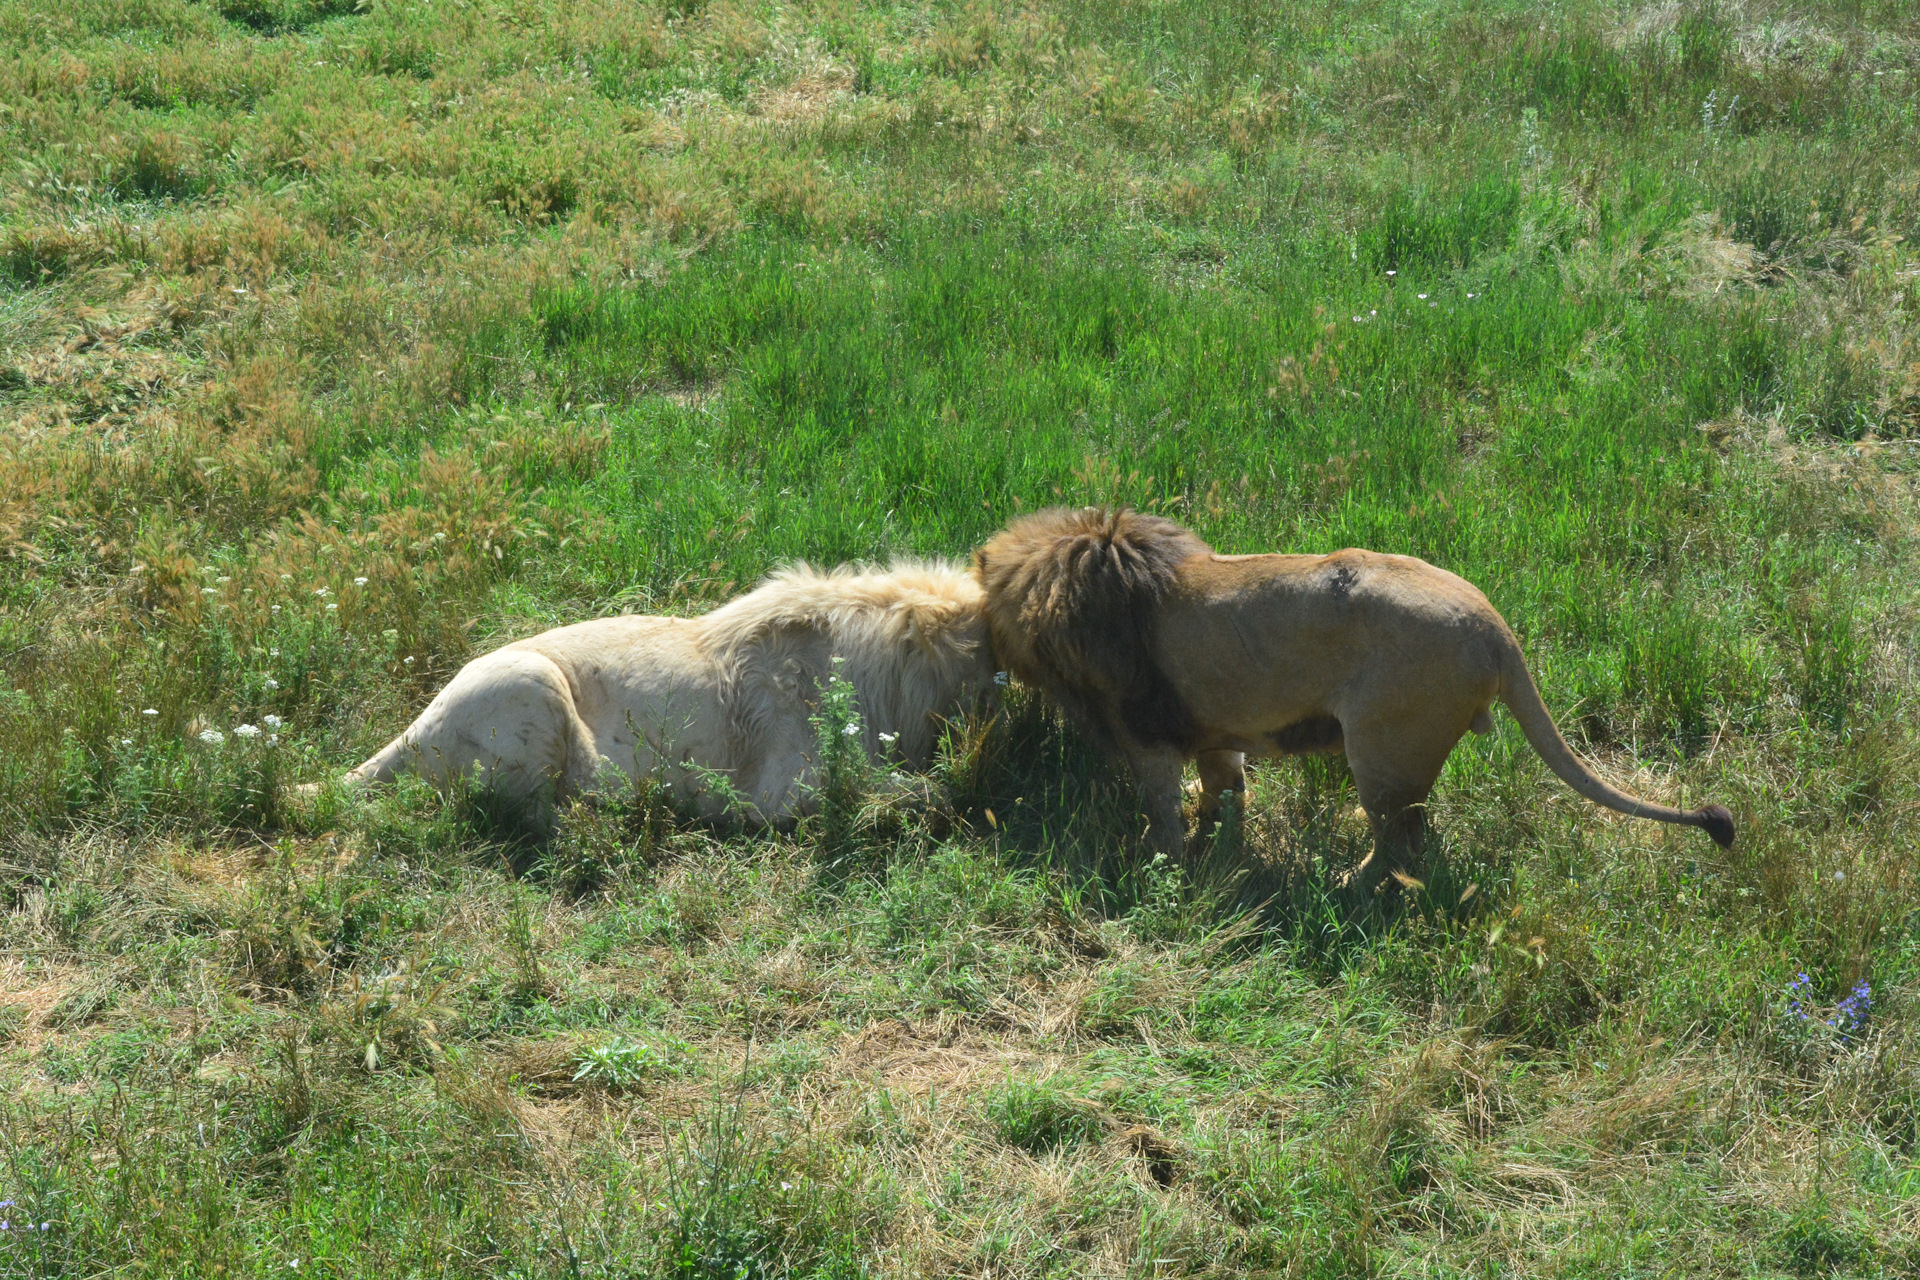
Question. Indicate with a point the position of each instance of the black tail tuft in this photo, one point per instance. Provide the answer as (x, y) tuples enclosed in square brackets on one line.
[(1717, 822)]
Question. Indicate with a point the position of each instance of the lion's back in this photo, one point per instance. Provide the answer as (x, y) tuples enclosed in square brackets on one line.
[(625, 649)]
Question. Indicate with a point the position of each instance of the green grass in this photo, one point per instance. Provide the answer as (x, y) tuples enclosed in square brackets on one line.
[(524, 313)]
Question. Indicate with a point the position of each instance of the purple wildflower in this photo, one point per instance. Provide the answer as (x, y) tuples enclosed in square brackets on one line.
[(1852, 1012)]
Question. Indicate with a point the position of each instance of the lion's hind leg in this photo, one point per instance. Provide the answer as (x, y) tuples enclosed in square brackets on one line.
[(1394, 768), (508, 717)]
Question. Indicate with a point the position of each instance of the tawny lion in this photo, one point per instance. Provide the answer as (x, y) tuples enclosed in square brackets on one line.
[(1165, 652), (730, 693)]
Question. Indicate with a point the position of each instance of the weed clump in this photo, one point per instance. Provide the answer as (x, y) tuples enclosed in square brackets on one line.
[(620, 1063), (1039, 1117), (740, 1204), (623, 830)]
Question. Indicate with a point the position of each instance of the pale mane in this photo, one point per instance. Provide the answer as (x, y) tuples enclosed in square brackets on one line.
[(907, 634)]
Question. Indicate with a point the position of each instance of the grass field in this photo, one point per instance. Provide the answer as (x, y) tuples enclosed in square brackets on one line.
[(340, 342)]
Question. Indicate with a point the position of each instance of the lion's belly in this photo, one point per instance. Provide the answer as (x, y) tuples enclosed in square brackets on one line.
[(1309, 735)]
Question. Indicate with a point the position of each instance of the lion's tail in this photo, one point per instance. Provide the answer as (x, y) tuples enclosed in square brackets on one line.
[(1522, 698)]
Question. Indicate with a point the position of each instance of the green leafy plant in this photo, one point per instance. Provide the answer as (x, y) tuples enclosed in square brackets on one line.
[(844, 771), (620, 1063)]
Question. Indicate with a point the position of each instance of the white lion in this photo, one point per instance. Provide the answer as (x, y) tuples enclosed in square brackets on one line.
[(730, 693)]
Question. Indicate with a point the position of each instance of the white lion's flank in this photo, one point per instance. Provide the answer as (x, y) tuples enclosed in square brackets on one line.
[(730, 693)]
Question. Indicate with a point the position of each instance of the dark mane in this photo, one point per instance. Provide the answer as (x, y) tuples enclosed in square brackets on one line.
[(1072, 598)]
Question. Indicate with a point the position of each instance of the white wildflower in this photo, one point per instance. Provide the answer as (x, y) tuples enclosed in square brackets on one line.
[(889, 737), (126, 742), (1421, 296), (272, 722), (359, 582), (246, 731), (1000, 678), (851, 730), (212, 737), (276, 608), (323, 593), (223, 581), (272, 683), (332, 607), (209, 591), (149, 712)]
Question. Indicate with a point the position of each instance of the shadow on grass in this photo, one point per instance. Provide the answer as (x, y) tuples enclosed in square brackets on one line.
[(1049, 800), (1026, 783)]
